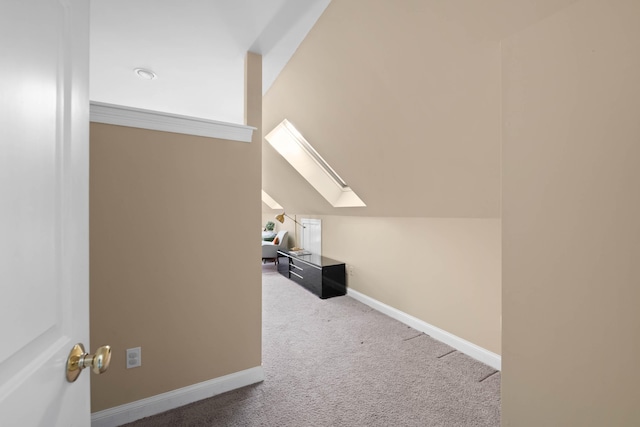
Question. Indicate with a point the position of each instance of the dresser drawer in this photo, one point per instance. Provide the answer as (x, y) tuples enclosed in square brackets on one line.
[(320, 275)]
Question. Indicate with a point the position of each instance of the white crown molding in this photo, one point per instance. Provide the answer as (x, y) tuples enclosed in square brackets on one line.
[(166, 122), (470, 349), (139, 409)]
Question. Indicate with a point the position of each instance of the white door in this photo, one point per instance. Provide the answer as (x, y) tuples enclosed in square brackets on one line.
[(312, 235), (44, 137)]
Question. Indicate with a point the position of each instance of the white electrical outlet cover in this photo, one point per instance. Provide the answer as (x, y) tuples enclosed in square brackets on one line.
[(134, 357)]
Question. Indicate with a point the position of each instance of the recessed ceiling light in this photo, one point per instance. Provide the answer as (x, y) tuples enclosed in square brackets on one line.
[(145, 73)]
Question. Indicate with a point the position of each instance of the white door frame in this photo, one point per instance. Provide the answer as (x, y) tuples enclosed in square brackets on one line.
[(311, 235)]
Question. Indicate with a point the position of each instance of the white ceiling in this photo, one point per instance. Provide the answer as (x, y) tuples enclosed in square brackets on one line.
[(197, 49)]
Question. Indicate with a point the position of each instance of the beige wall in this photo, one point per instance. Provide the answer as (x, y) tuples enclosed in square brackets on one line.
[(173, 257), (404, 103), (443, 270), (571, 215)]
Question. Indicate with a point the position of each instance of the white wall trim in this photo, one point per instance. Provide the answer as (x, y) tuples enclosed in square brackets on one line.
[(163, 402), (167, 122), (470, 349)]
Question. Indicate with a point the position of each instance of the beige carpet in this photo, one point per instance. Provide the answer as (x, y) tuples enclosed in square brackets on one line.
[(337, 362)]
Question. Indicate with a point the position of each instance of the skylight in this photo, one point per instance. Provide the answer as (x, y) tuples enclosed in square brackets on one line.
[(291, 145), (269, 201)]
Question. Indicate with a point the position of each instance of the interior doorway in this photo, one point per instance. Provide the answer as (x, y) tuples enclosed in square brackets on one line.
[(311, 235)]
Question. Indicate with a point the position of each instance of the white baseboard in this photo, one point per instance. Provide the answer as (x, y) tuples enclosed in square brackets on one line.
[(470, 349), (163, 402)]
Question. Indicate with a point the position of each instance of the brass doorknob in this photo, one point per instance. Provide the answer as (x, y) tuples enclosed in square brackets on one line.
[(79, 359)]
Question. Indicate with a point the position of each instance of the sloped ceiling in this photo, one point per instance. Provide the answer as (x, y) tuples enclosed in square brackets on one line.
[(493, 19), (403, 100)]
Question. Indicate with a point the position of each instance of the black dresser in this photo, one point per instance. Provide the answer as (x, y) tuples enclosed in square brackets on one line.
[(323, 276)]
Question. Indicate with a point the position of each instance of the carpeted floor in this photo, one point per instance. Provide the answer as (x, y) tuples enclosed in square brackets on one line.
[(337, 362)]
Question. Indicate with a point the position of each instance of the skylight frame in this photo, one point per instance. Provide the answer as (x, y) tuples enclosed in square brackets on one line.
[(270, 201), (300, 154), (300, 140)]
